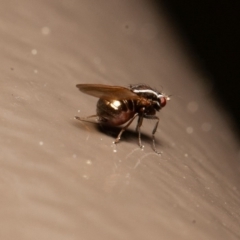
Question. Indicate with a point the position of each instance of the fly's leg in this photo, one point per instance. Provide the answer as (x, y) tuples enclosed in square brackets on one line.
[(86, 119), (153, 131), (138, 129), (91, 119), (124, 128)]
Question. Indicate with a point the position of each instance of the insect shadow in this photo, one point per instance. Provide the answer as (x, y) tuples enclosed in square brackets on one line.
[(128, 135), (114, 131)]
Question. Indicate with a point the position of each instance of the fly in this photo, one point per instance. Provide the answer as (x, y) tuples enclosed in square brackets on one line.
[(119, 105)]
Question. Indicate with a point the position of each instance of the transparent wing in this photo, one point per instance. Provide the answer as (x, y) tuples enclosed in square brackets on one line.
[(107, 92)]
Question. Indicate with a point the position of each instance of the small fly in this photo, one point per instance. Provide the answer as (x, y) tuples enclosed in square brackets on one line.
[(119, 105)]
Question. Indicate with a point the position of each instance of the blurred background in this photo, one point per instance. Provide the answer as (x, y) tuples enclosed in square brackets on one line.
[(211, 34)]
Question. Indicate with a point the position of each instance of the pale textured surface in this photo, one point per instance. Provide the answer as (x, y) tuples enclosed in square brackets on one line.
[(61, 179)]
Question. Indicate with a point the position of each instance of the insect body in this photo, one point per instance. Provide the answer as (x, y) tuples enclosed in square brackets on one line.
[(119, 105)]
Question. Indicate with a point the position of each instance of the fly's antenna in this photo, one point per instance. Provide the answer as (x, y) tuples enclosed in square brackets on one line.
[(161, 88)]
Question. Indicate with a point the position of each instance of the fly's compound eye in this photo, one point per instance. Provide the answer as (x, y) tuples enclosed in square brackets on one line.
[(163, 101)]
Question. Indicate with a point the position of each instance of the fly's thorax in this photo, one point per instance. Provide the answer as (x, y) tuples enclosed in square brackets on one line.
[(151, 98)]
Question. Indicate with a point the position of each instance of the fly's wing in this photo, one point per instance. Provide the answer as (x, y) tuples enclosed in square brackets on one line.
[(107, 92)]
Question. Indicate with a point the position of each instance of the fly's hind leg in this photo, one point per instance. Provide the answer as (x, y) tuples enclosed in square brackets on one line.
[(91, 119), (124, 128)]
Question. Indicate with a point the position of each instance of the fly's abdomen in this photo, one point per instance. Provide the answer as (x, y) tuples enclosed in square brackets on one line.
[(115, 112)]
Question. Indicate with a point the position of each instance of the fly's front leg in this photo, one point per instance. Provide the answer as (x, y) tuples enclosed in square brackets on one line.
[(124, 128), (153, 131)]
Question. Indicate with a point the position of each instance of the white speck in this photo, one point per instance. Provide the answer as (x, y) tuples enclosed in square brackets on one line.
[(189, 130), (79, 111), (89, 162), (74, 155), (206, 127), (184, 177), (185, 155), (35, 71), (34, 51), (45, 30), (192, 107), (114, 146), (85, 176), (40, 143)]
